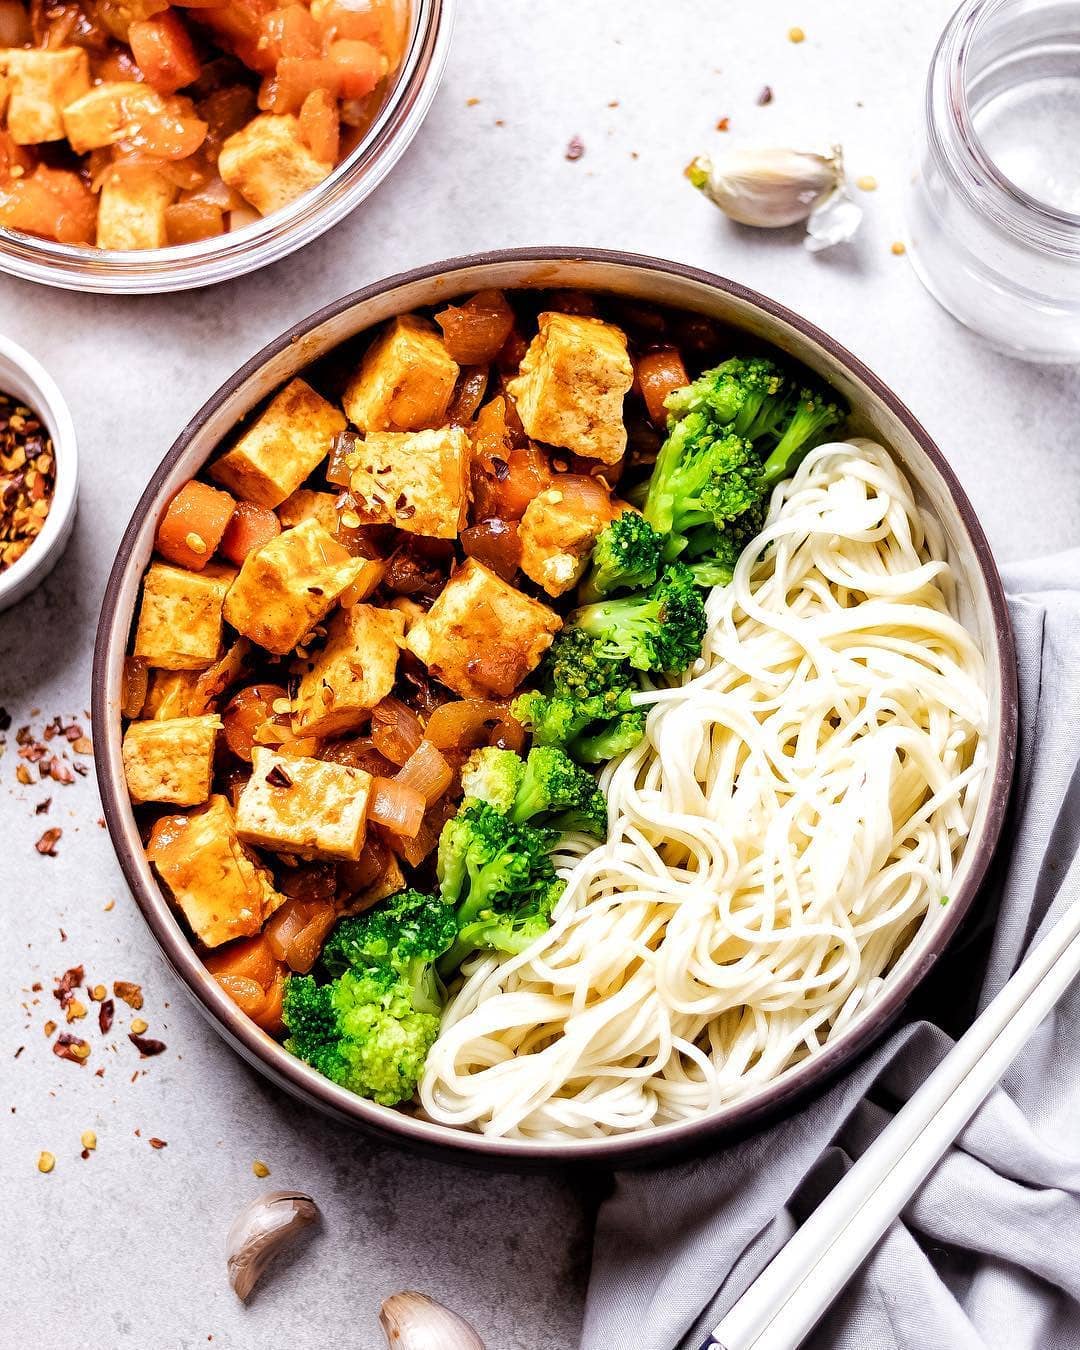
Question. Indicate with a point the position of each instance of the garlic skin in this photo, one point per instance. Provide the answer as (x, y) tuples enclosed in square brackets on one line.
[(413, 1321), (262, 1229), (768, 188)]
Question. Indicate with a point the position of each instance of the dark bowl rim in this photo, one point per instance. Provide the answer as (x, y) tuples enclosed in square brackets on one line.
[(661, 1142)]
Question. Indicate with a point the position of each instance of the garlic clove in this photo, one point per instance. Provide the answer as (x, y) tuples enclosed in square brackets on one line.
[(413, 1321), (768, 187), (261, 1230), (833, 222)]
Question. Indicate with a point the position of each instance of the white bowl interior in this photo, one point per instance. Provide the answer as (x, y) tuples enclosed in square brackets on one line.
[(871, 416)]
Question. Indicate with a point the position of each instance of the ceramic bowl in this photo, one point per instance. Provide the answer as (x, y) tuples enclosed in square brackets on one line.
[(876, 411)]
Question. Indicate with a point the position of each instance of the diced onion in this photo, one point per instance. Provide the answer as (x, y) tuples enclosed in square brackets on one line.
[(465, 723), (395, 730), (583, 495), (395, 807), (426, 772)]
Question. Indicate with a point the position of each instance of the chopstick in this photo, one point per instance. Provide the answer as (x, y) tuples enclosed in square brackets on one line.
[(784, 1304)]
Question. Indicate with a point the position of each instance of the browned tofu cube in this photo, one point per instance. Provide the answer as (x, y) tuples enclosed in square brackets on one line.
[(104, 115), (571, 387), (288, 585), (268, 163), (223, 893), (180, 617), (405, 381), (304, 504), (354, 671), (481, 637), (131, 209), (557, 534), (171, 761), (284, 444), (417, 480), (310, 807), (40, 85)]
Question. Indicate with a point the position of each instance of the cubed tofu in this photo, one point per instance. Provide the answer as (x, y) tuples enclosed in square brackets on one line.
[(416, 480), (293, 804), (405, 381), (171, 693), (131, 209), (304, 504), (356, 668), (268, 163), (481, 636), (223, 892), (40, 85), (103, 115), (571, 386), (288, 585), (557, 536), (171, 761), (282, 447), (180, 618)]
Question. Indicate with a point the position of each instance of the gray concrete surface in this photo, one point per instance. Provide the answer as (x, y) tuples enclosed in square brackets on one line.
[(123, 1251)]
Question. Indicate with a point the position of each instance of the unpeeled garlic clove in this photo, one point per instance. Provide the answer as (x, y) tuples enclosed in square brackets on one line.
[(413, 1321), (768, 187), (262, 1229)]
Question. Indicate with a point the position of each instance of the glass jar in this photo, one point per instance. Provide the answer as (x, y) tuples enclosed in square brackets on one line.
[(994, 215)]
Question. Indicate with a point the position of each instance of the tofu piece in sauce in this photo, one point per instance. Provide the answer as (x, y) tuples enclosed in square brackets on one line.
[(310, 807), (282, 447), (405, 381), (103, 115), (481, 637), (557, 536), (571, 386), (223, 893), (286, 587), (131, 209), (354, 671), (40, 86), (305, 504), (269, 164), (171, 760), (180, 617), (418, 481)]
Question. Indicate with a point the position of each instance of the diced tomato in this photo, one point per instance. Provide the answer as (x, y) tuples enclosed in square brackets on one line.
[(361, 65), (251, 525), (54, 203), (225, 111), (294, 79), (237, 25), (193, 523), (320, 128), (115, 64), (249, 709), (173, 133), (289, 31), (165, 52), (657, 374), (188, 222), (497, 431), (506, 489)]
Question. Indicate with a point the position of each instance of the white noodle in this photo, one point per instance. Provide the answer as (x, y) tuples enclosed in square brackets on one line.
[(792, 817)]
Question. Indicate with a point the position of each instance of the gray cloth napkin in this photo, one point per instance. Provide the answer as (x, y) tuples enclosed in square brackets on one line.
[(988, 1252)]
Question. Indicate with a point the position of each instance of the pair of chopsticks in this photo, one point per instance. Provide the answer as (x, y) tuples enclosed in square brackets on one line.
[(787, 1300)]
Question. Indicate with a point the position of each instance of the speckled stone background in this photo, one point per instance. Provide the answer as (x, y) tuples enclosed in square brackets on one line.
[(124, 1251)]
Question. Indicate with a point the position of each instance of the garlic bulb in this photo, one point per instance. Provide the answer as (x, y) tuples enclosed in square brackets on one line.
[(771, 188), (413, 1321), (262, 1229)]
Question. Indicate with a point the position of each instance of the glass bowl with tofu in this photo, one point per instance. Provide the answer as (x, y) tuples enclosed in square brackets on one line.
[(348, 584), (153, 147)]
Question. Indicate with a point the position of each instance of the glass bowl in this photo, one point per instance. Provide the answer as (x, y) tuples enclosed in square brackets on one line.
[(149, 271)]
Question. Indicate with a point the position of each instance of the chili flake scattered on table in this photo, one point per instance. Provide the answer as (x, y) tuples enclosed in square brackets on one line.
[(576, 148), (27, 478), (46, 845)]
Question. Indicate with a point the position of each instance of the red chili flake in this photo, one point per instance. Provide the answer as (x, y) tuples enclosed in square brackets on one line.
[(42, 806), (59, 770), (19, 1051), (84, 1154), (46, 845), (146, 1045), (71, 1047), (105, 1016), (765, 96), (576, 148), (81, 770), (22, 736), (158, 1143), (277, 777), (67, 984), (32, 752), (100, 1073), (63, 935), (73, 732), (724, 124), (501, 468)]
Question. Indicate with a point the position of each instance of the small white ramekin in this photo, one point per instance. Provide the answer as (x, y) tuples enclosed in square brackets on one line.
[(26, 379)]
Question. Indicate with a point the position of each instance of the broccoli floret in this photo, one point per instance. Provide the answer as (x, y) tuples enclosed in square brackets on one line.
[(369, 1027), (659, 631), (580, 690), (497, 874), (553, 785), (493, 776), (588, 816), (811, 417), (719, 392), (626, 556), (605, 741), (511, 928), (764, 387)]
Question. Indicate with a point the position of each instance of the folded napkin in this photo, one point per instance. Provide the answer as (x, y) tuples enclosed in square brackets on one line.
[(986, 1254)]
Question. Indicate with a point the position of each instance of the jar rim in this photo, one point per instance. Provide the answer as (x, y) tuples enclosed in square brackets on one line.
[(974, 170)]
